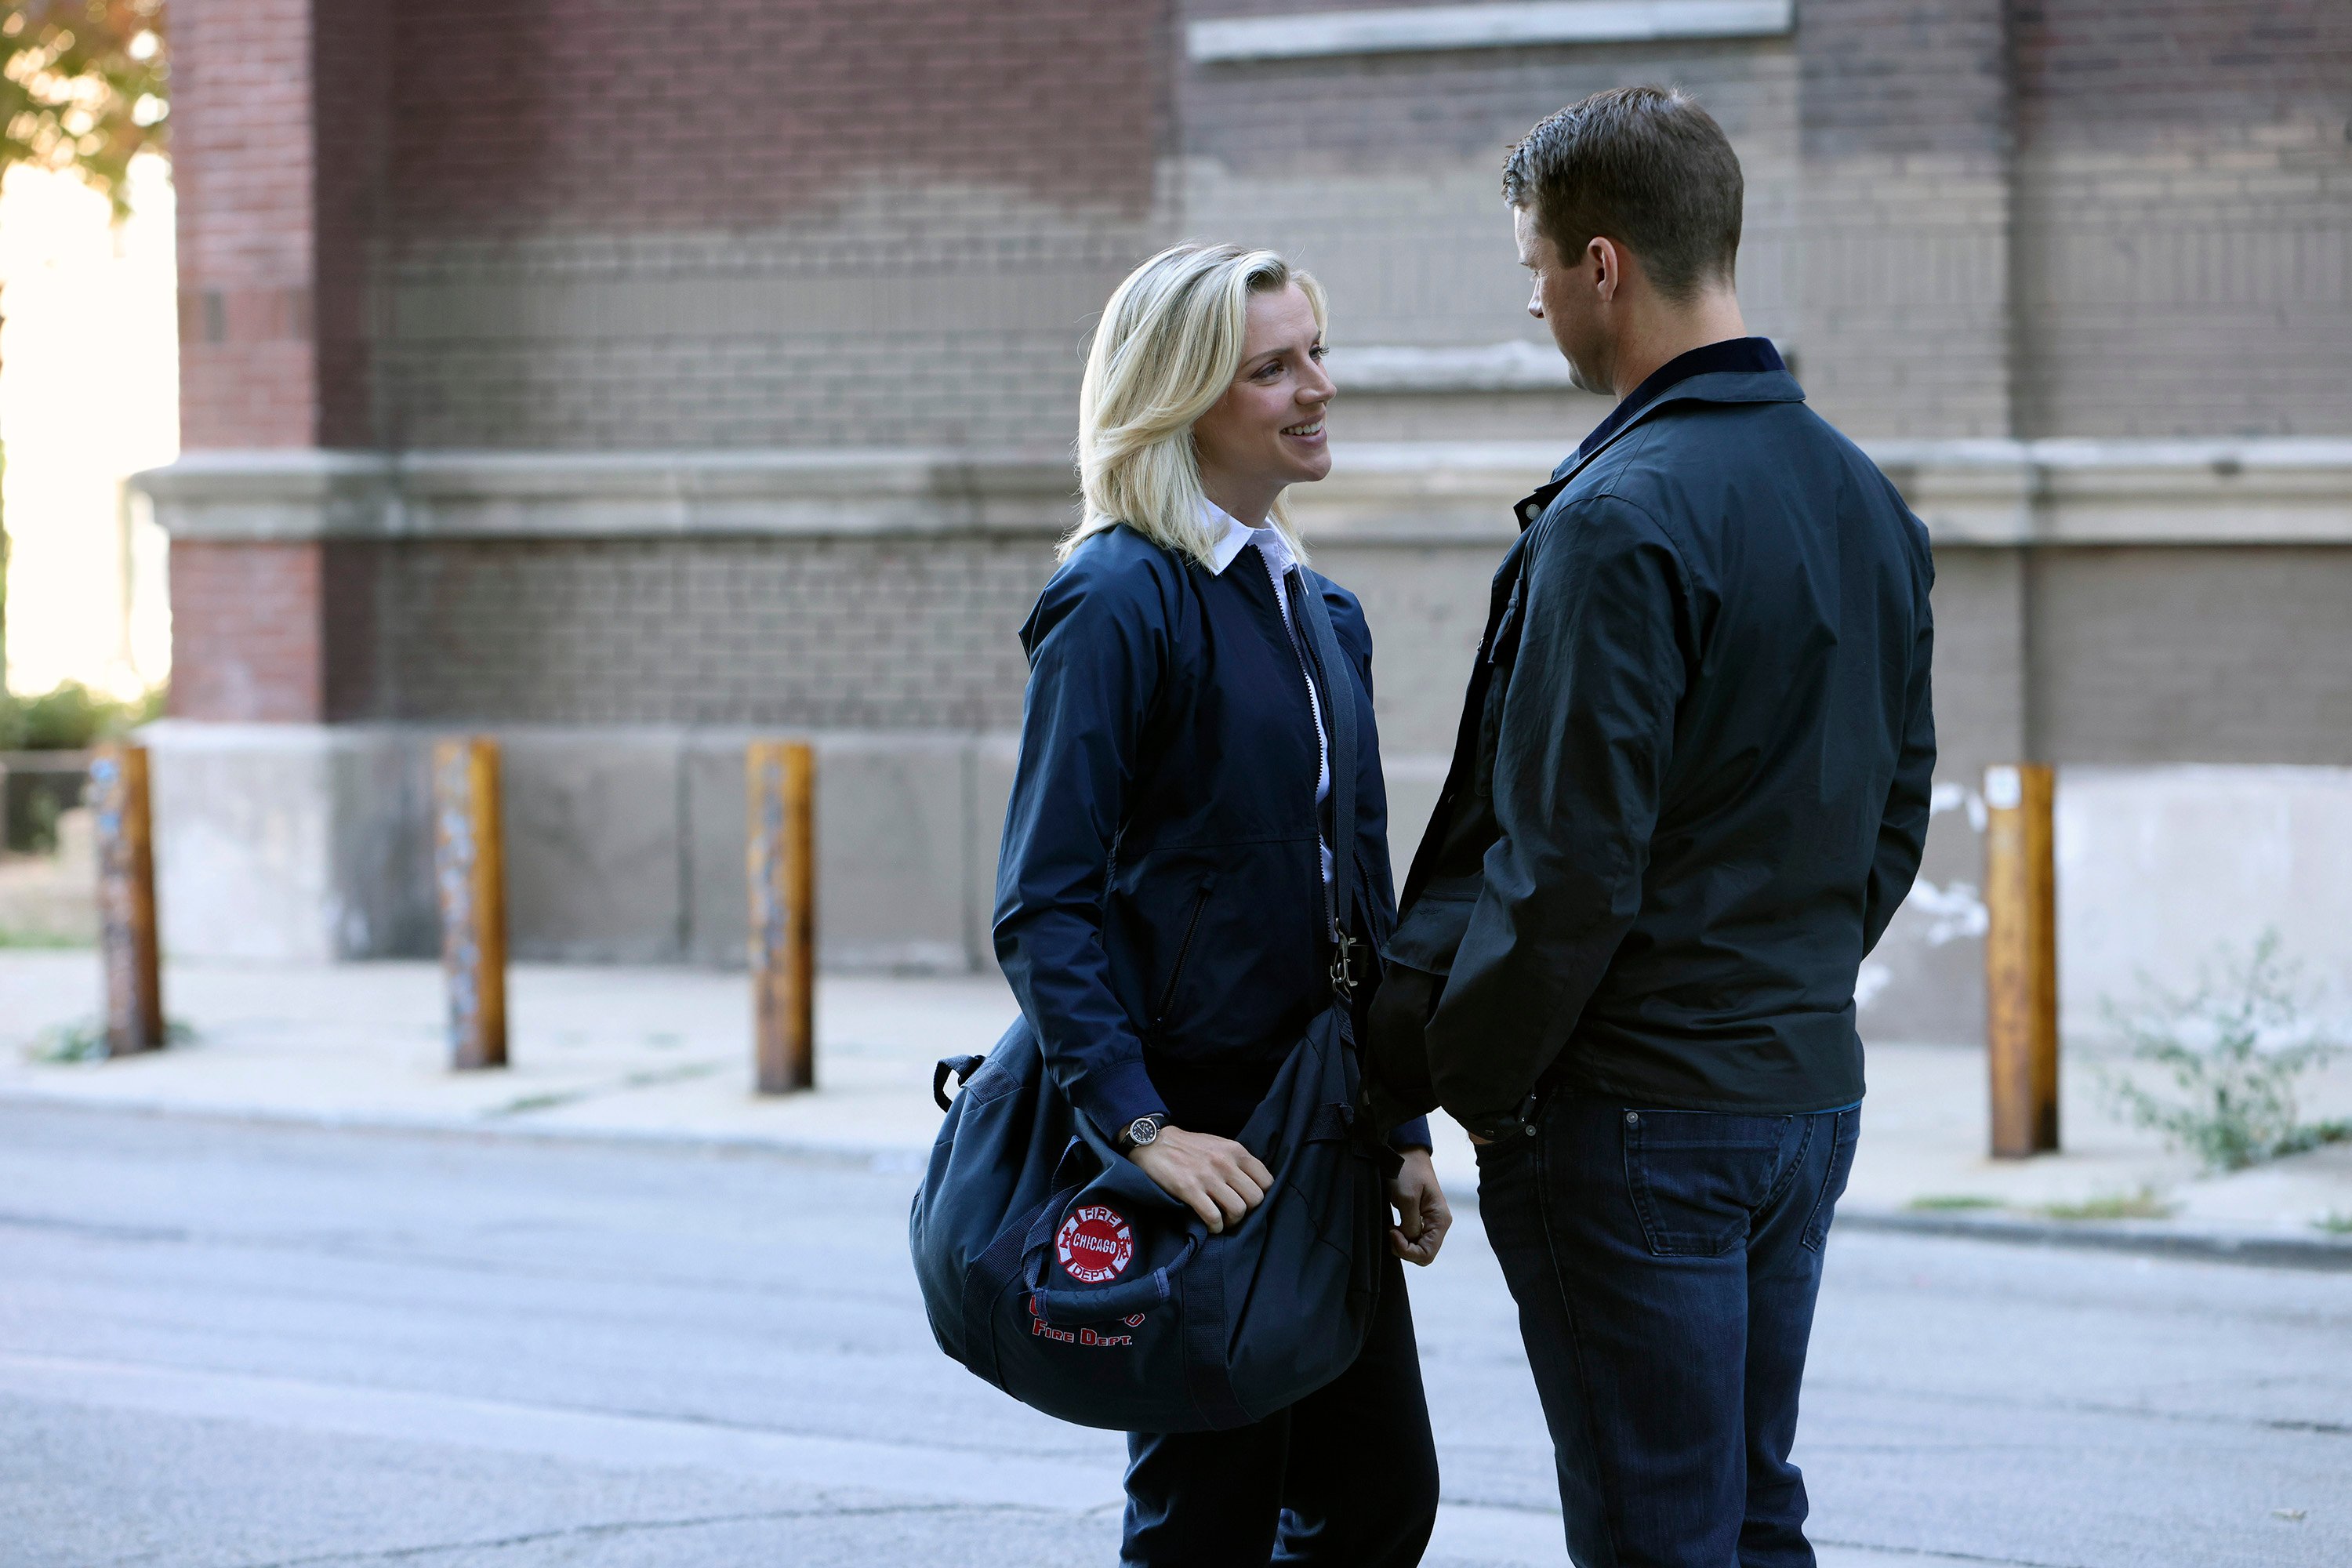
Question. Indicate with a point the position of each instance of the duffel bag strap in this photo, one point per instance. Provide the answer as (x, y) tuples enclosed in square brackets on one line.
[(1340, 686)]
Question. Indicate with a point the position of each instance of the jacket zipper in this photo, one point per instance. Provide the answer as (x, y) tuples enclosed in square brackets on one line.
[(1183, 952)]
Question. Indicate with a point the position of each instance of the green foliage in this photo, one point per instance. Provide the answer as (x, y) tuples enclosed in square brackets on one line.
[(71, 717), (2335, 1223), (2233, 1048), (11, 937), (83, 86), (1947, 1203), (2141, 1204)]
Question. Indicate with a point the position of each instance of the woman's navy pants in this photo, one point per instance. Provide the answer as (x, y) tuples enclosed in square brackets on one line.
[(1347, 1478)]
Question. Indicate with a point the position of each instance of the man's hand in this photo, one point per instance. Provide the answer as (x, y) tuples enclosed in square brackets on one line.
[(1423, 1216), (1219, 1179)]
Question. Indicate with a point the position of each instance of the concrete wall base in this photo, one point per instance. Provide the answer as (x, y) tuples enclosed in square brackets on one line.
[(625, 844)]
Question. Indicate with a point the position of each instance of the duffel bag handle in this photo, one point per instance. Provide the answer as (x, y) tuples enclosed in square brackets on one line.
[(1092, 1303), (961, 1067)]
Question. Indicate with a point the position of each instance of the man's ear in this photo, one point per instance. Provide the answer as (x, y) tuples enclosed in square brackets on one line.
[(1608, 265)]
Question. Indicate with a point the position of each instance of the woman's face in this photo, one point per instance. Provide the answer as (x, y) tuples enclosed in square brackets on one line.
[(1266, 431)]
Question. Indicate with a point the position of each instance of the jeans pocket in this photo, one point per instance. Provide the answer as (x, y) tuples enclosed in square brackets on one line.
[(1697, 1177), (1833, 1179)]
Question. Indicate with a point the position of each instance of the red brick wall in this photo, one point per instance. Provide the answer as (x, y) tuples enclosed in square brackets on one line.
[(248, 631), (242, 161)]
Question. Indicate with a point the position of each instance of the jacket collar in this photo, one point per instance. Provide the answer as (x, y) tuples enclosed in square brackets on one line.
[(1232, 536), (1758, 386)]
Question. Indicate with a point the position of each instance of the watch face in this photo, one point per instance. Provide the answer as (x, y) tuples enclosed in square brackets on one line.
[(1142, 1130)]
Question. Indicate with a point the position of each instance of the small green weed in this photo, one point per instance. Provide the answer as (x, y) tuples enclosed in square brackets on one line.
[(2141, 1204), (84, 1040), (2233, 1048), (1947, 1203), (2335, 1222)]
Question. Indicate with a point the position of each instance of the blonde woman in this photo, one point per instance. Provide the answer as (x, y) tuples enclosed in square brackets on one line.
[(1167, 875)]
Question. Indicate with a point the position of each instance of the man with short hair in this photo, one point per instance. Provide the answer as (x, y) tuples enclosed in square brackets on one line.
[(1690, 787)]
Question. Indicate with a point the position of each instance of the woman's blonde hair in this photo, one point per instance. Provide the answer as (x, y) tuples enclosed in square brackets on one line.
[(1169, 346)]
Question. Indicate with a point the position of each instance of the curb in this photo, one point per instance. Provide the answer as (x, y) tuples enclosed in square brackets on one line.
[(484, 1130), (2117, 1236), (2142, 1239)]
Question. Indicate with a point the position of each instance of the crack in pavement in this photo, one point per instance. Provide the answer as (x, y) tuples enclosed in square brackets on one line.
[(1819, 1385), (1934, 1554), (611, 1529)]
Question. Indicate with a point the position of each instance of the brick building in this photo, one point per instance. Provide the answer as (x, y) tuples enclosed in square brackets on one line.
[(629, 380)]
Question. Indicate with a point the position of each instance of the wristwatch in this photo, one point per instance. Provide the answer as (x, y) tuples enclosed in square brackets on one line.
[(1143, 1130)]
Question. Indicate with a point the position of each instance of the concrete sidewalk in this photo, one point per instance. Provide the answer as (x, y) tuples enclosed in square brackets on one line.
[(665, 1054)]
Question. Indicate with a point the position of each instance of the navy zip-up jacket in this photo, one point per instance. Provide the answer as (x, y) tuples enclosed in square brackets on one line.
[(1692, 781), (1160, 902)]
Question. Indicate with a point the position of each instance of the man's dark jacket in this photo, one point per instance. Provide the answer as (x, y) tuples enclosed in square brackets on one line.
[(1691, 783)]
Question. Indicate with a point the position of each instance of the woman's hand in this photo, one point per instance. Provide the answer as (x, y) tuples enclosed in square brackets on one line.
[(1217, 1177), (1422, 1217)]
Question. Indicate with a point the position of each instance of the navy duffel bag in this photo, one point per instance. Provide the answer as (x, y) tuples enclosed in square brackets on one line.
[(1054, 1268)]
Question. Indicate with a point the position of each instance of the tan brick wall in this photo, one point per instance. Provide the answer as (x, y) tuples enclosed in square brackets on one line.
[(581, 116), (2185, 195), (2192, 656), (902, 634)]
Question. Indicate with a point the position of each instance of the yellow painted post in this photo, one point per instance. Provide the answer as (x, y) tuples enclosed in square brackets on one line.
[(2021, 959), (469, 873), (780, 786), (126, 900)]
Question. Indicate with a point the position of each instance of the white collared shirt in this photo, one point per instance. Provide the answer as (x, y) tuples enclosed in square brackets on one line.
[(1232, 536)]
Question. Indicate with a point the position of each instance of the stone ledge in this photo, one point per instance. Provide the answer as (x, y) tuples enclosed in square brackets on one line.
[(1316, 35), (1993, 493), (310, 494)]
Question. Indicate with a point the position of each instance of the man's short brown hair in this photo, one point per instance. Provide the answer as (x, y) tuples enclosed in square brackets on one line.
[(1645, 166)]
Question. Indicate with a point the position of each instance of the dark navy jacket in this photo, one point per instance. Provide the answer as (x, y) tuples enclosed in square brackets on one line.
[(1159, 903), (1691, 784)]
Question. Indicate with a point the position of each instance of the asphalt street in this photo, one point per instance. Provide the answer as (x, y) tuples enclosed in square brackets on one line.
[(226, 1343)]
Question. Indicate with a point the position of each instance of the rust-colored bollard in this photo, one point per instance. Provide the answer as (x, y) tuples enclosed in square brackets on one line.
[(779, 787), (469, 875), (126, 900), (2022, 960)]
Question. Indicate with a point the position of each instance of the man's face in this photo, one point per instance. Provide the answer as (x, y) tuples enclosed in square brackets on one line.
[(1566, 298)]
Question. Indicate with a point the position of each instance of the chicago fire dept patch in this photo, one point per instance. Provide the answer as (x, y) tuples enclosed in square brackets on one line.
[(1095, 1245)]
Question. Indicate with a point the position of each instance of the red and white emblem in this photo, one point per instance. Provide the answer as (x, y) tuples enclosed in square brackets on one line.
[(1095, 1245)]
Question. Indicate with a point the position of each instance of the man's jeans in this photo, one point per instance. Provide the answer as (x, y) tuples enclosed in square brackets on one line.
[(1666, 1264)]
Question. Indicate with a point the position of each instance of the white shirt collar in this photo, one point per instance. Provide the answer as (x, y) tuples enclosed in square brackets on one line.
[(1232, 535)]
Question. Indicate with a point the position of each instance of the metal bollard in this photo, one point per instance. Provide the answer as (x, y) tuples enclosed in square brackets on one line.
[(126, 900), (2022, 960), (469, 875), (779, 787)]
